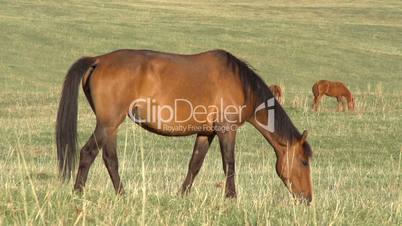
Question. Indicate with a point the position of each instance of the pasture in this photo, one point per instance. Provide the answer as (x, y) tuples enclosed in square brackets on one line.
[(357, 155)]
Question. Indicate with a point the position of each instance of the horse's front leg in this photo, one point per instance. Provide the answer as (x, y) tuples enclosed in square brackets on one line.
[(340, 104), (201, 147), (227, 145)]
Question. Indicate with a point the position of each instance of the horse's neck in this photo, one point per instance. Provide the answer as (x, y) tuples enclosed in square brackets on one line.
[(276, 141)]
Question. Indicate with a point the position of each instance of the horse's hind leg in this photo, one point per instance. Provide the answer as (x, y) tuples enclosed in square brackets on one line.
[(110, 158), (109, 120), (314, 107), (316, 100), (201, 147), (87, 156)]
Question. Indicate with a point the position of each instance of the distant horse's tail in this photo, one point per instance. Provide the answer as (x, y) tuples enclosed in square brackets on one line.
[(66, 124)]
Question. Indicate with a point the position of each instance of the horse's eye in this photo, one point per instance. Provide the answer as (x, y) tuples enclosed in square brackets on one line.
[(304, 162)]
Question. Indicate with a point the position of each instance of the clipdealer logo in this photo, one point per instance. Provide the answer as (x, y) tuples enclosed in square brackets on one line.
[(167, 115)]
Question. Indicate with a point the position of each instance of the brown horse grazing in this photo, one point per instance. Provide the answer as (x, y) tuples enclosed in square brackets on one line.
[(332, 89), (208, 94), (277, 92)]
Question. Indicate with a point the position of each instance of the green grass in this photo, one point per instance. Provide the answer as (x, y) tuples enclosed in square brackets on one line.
[(357, 156)]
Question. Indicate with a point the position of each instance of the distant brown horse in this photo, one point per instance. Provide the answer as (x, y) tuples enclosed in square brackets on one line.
[(159, 91), (332, 89), (277, 92)]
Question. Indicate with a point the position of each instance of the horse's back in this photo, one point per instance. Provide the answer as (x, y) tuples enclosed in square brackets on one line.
[(124, 76), (329, 88), (164, 64), (337, 89), (147, 73)]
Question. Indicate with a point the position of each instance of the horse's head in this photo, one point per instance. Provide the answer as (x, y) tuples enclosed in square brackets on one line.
[(293, 167), (351, 104)]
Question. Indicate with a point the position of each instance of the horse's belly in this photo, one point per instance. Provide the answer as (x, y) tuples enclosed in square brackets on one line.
[(172, 121), (167, 129)]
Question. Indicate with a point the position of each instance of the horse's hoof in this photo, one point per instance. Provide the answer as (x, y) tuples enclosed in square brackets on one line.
[(231, 195), (120, 192), (78, 191), (185, 191)]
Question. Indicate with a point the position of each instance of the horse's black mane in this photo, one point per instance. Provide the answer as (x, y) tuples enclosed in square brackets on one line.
[(255, 88)]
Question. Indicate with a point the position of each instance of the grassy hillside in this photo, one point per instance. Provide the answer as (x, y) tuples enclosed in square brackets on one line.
[(357, 156)]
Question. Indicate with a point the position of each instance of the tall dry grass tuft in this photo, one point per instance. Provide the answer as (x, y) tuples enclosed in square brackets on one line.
[(379, 90), (283, 87), (301, 102)]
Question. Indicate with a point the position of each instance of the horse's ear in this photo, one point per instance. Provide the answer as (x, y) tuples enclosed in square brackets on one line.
[(304, 136)]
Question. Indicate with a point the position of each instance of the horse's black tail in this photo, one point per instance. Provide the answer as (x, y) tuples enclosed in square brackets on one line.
[(66, 124)]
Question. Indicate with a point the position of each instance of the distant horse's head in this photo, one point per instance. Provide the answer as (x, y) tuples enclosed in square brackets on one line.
[(293, 167), (351, 104)]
